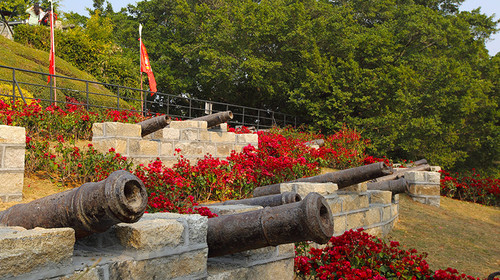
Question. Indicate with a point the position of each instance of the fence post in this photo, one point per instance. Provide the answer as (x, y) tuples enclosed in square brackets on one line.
[(243, 118), (118, 98), (87, 93), (258, 119), (13, 86)]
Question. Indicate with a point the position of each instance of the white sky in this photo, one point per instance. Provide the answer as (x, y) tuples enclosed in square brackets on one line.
[(488, 7)]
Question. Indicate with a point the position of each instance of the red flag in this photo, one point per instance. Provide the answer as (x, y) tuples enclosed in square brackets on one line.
[(52, 56), (146, 67)]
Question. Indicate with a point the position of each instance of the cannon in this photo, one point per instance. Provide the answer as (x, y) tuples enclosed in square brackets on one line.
[(153, 124), (306, 220), (400, 173), (395, 186), (215, 119), (342, 178), (319, 142), (268, 200), (90, 208)]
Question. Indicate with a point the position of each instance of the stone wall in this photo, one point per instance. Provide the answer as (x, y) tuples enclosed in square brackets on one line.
[(425, 186), (191, 137), (12, 149)]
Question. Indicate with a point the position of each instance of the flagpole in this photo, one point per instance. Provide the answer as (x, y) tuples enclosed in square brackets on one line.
[(140, 70), (53, 47)]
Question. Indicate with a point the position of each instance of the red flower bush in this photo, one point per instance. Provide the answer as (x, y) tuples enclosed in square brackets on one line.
[(472, 187)]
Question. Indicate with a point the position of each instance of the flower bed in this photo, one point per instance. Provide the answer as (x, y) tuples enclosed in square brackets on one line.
[(472, 187)]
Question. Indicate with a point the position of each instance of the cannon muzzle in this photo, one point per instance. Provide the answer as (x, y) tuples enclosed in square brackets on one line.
[(307, 220), (215, 119), (90, 208), (342, 178), (153, 124), (268, 200)]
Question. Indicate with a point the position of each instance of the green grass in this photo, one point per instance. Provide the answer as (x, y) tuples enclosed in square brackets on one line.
[(15, 55), (460, 235)]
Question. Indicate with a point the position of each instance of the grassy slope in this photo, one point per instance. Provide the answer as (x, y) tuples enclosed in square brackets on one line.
[(15, 55), (461, 235)]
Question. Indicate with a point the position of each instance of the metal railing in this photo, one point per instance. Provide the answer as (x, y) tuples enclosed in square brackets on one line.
[(97, 95)]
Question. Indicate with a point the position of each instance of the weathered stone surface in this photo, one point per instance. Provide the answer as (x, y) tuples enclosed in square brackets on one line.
[(304, 188), (13, 157), (203, 135), (90, 273), (386, 213), (150, 234), (422, 176), (250, 257), (286, 250), (339, 224), (394, 210), (98, 130), (335, 203), (210, 149), (247, 138), (104, 145), (395, 198), (361, 187), (380, 197), (122, 129), (11, 183), (375, 231), (22, 251), (143, 147), (224, 149), (425, 189), (277, 270), (198, 226), (355, 220), (419, 199), (218, 137), (188, 124), (434, 201), (189, 134), (232, 209), (12, 134), (189, 148), (10, 197), (166, 149), (354, 202), (191, 265), (171, 134), (435, 168), (372, 216), (224, 271)]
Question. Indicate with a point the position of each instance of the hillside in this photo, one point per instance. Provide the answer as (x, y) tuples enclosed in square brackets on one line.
[(15, 55)]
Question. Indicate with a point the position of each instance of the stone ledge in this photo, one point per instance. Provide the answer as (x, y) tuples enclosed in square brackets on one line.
[(304, 188), (12, 134)]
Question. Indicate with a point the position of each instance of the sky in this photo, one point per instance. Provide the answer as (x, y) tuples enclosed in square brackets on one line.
[(488, 7)]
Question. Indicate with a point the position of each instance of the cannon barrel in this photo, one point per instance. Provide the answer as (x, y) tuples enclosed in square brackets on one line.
[(307, 220), (400, 173), (342, 178), (215, 119), (90, 208), (268, 200), (420, 162), (153, 124), (395, 186)]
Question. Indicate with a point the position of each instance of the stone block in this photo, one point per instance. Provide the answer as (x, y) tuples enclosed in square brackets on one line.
[(103, 145), (22, 251), (375, 231), (247, 138), (11, 183), (210, 149), (13, 157), (380, 197), (198, 226), (166, 149), (188, 124), (189, 148), (394, 210), (435, 168), (10, 197), (171, 134), (395, 198), (150, 234), (224, 150), (433, 177), (232, 209), (225, 271), (425, 189), (2, 148), (286, 250), (361, 187), (386, 213), (189, 134), (143, 148), (97, 130), (422, 176), (355, 220), (354, 202), (339, 224), (90, 273), (335, 203), (372, 216), (12, 134), (434, 201), (419, 199), (304, 188), (189, 265), (250, 257), (117, 129), (276, 270), (203, 135), (218, 137)]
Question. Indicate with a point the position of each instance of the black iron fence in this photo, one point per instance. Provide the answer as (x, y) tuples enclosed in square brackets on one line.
[(25, 85)]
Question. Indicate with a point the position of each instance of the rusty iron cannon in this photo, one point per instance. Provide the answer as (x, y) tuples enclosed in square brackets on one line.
[(400, 173), (342, 178), (90, 208), (153, 124), (268, 200), (395, 186), (216, 119), (306, 220)]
